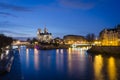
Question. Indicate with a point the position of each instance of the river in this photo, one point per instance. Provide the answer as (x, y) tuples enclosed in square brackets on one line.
[(63, 64)]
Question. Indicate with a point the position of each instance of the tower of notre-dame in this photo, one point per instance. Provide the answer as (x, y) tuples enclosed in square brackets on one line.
[(44, 36)]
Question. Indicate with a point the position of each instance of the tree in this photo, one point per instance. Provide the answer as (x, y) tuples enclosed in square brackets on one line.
[(4, 41), (90, 37), (34, 40), (28, 40)]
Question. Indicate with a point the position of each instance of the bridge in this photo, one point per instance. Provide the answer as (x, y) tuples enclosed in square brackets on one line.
[(19, 43), (81, 45)]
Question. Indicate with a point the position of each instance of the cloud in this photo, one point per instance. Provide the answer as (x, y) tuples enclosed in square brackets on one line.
[(6, 24), (79, 4), (12, 29), (13, 7), (13, 26), (12, 33), (7, 14)]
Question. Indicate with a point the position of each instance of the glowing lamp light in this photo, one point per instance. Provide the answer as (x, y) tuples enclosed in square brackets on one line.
[(18, 42)]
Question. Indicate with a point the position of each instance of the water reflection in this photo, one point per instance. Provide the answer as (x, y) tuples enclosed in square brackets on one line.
[(68, 64), (57, 51), (59, 59), (112, 69), (27, 57), (76, 61), (61, 51), (82, 56), (70, 60), (69, 50), (98, 65), (36, 59)]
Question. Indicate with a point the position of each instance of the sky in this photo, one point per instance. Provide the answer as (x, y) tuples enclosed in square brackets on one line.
[(22, 18)]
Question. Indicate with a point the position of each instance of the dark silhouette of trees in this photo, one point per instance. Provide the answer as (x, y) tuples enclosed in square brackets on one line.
[(90, 37), (4, 41), (32, 41), (28, 39)]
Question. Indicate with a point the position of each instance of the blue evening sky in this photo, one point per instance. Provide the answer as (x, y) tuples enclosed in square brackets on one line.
[(22, 18)]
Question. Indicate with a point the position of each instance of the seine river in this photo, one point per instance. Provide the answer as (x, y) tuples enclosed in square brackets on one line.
[(63, 64)]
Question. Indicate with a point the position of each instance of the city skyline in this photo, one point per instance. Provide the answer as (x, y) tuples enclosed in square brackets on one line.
[(22, 18)]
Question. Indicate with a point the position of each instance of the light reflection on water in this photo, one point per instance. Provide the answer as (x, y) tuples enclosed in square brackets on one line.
[(112, 69), (98, 65), (36, 59), (27, 57), (72, 63), (59, 59), (76, 61)]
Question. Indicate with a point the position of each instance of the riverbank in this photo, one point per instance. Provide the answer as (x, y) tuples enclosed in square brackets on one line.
[(15, 72), (105, 50), (6, 60)]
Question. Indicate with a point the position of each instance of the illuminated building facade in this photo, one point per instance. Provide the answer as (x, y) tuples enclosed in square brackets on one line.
[(110, 37), (44, 36), (74, 39)]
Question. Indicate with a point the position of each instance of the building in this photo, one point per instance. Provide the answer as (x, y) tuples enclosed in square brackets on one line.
[(110, 37), (58, 40), (72, 39), (44, 36)]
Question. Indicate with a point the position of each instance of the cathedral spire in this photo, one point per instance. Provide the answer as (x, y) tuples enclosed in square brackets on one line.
[(39, 31), (45, 30)]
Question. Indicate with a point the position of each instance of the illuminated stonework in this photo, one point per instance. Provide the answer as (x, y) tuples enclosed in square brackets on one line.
[(110, 37), (44, 36), (74, 39)]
